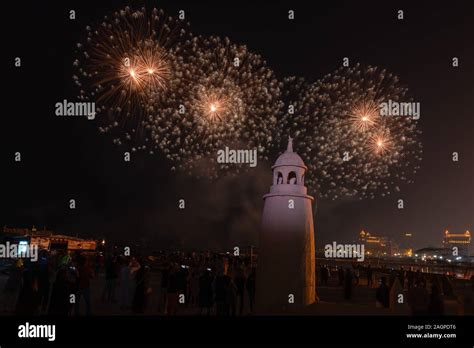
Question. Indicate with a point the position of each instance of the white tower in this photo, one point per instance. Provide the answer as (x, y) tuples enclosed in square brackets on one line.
[(286, 258)]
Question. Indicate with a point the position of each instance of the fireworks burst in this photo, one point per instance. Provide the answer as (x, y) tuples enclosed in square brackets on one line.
[(214, 105), (148, 70), (225, 96), (125, 61), (189, 97), (349, 148), (364, 116), (380, 144)]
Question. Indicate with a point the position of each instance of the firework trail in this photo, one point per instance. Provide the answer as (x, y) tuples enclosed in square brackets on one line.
[(351, 150)]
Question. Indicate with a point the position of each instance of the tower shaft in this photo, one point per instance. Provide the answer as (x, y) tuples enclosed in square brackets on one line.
[(286, 274)]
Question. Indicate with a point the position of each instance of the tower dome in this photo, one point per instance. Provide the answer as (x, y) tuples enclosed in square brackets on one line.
[(289, 158), (289, 169)]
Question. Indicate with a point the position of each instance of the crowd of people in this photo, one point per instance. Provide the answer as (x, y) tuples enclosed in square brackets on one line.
[(174, 283), (62, 283), (421, 293)]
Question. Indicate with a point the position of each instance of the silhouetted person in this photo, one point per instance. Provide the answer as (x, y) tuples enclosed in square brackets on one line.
[(251, 281), (139, 298), (418, 278), (28, 299), (356, 275), (410, 279), (174, 287), (467, 298), (401, 277), (85, 274), (239, 281), (220, 286), (340, 273), (182, 277), (324, 275), (12, 286), (193, 282), (43, 280), (348, 284), (391, 278), (370, 279), (163, 298), (99, 260), (231, 297), (111, 276), (64, 260), (205, 292), (125, 280), (418, 298), (59, 303), (448, 289), (436, 306), (382, 296), (72, 275)]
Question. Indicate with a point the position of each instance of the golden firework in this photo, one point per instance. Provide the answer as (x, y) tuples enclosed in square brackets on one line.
[(364, 116)]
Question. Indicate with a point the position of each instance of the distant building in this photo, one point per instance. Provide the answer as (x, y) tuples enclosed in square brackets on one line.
[(460, 240), (431, 253), (48, 240), (404, 252), (378, 246)]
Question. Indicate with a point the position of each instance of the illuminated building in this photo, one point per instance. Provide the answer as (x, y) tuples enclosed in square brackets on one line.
[(406, 249), (461, 241), (378, 246), (404, 252), (48, 240), (438, 254)]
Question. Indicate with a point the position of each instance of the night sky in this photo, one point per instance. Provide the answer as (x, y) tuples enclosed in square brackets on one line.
[(64, 158)]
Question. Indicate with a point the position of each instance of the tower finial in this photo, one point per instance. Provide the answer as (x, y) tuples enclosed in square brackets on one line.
[(290, 145)]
